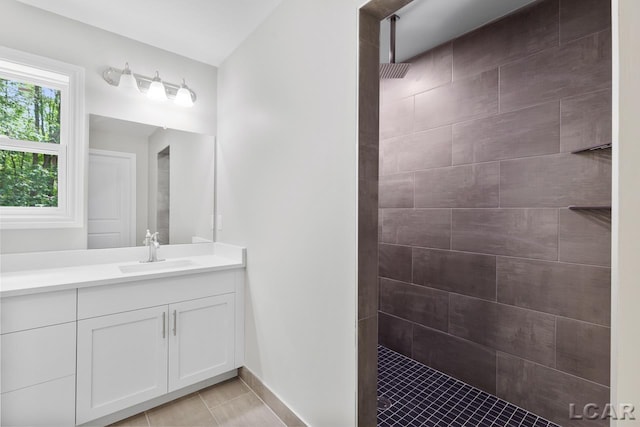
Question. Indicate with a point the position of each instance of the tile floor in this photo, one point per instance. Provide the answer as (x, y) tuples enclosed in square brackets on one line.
[(228, 404), (422, 396)]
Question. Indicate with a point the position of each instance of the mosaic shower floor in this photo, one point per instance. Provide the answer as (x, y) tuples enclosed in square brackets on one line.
[(422, 396)]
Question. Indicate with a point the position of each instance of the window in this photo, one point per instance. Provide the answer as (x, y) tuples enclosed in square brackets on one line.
[(41, 142)]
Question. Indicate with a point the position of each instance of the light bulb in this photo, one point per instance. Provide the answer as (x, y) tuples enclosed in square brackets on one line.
[(128, 80), (157, 90), (183, 96)]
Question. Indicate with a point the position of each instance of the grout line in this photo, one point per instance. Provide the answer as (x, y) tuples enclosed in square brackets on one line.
[(521, 258), (208, 409), (146, 417), (251, 390)]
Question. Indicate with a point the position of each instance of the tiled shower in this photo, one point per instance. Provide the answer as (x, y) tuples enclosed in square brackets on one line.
[(494, 214)]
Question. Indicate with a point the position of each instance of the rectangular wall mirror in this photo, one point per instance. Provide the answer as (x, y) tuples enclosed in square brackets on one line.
[(146, 177)]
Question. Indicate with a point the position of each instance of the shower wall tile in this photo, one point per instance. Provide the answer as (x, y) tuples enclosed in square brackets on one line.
[(396, 191), (395, 333), (510, 329), (581, 66), (556, 181), (585, 237), (430, 228), (428, 307), (547, 391), (369, 98), (367, 249), (470, 98), (528, 233), (395, 262), (468, 186), (418, 151), (427, 71), (573, 338), (579, 18), (396, 118), (517, 35), (467, 361), (528, 132), (459, 272), (571, 290), (586, 121), (482, 129), (367, 365), (380, 9), (369, 29)]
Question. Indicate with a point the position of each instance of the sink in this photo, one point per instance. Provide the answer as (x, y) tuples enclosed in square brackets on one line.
[(158, 265)]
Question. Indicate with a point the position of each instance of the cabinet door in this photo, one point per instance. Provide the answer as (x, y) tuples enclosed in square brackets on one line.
[(201, 339), (122, 361)]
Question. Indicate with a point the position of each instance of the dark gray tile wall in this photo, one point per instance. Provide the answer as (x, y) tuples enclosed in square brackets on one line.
[(585, 121), (368, 176), (465, 360), (485, 273), (417, 227), (460, 272), (528, 132), (547, 391)]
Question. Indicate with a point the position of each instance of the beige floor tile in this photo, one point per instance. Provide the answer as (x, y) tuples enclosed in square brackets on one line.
[(190, 411), (139, 420), (246, 411), (223, 392)]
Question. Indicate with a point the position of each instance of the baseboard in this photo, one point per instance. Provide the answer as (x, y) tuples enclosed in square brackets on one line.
[(270, 399)]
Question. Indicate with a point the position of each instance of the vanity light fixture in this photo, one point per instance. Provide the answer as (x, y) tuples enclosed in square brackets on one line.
[(157, 91), (183, 96), (127, 80), (153, 87)]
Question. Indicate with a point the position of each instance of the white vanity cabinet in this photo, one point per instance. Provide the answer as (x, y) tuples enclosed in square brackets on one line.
[(201, 339), (122, 361), (141, 340), (38, 359)]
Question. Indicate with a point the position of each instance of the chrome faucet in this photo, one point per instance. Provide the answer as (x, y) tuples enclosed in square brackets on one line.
[(151, 240)]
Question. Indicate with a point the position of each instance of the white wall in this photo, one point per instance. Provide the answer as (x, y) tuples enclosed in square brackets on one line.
[(138, 145), (35, 31), (287, 172), (625, 343)]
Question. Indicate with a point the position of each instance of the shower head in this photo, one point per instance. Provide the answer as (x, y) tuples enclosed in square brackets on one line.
[(391, 70)]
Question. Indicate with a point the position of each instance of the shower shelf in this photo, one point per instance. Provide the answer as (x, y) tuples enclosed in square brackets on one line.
[(590, 208), (594, 148)]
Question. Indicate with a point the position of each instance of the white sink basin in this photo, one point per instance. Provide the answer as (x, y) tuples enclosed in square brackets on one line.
[(158, 265)]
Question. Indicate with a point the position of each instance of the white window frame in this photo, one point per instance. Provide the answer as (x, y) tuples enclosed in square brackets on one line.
[(71, 152)]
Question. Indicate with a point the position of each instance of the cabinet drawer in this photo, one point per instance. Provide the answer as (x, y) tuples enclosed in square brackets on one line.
[(48, 404), (38, 355), (104, 300), (37, 310)]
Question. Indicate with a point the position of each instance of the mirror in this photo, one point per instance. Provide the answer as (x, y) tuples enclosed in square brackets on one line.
[(145, 177)]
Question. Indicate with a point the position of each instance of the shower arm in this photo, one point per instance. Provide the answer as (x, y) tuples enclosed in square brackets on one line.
[(392, 39)]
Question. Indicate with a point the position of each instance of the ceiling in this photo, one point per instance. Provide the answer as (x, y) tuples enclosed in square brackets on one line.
[(425, 24), (210, 30), (205, 30)]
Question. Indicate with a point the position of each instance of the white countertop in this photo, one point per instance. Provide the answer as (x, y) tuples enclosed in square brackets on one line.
[(16, 280)]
